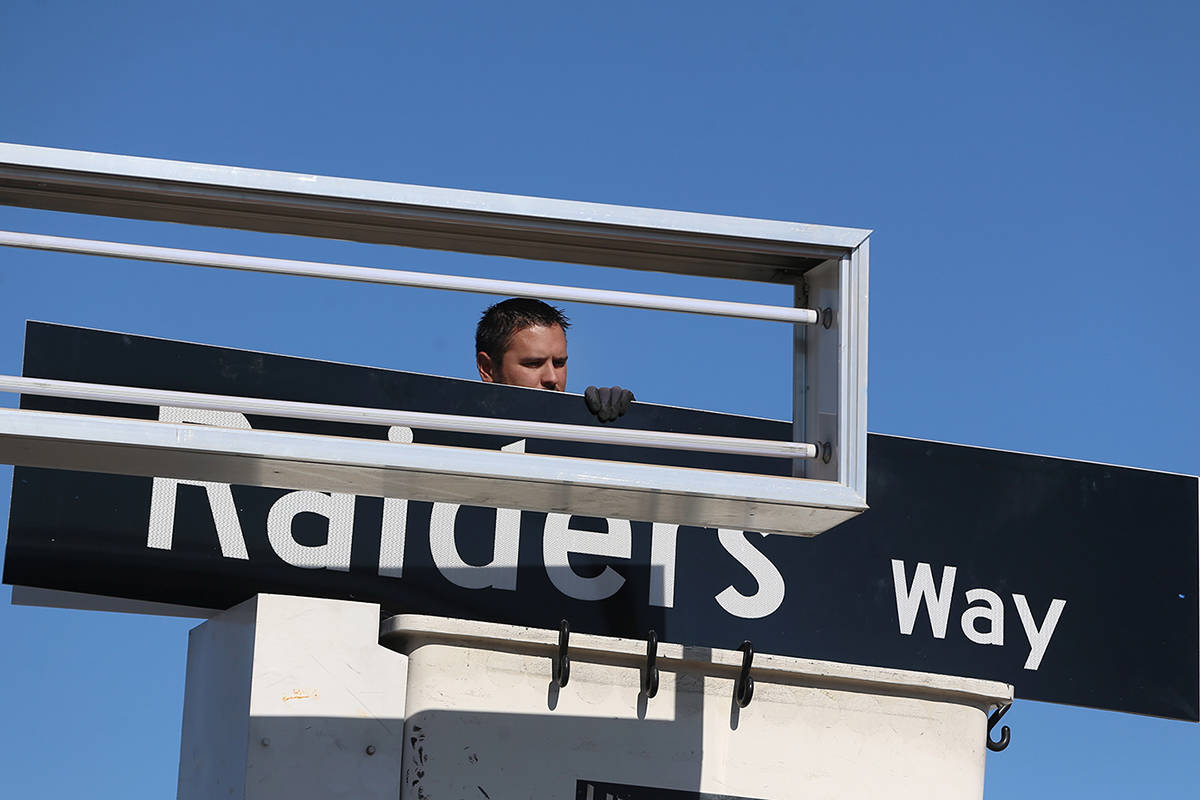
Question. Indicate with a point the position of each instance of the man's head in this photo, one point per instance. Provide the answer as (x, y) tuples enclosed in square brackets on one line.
[(523, 342)]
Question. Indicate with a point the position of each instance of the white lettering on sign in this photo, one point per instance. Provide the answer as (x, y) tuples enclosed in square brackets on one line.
[(395, 520), (1039, 638), (770, 592), (338, 510), (662, 564), (993, 612), (560, 539), (937, 603), (501, 571), (161, 530)]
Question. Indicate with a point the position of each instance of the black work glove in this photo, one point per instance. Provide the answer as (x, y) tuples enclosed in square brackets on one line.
[(607, 403)]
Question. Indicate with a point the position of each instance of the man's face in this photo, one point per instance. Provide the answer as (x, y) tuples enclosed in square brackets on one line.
[(536, 357)]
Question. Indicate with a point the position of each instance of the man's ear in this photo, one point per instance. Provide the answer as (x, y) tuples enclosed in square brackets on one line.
[(486, 368)]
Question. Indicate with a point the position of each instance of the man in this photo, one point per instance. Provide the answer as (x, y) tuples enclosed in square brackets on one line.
[(523, 342)]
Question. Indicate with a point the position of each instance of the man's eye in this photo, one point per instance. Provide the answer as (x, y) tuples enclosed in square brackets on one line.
[(531, 364), (560, 362)]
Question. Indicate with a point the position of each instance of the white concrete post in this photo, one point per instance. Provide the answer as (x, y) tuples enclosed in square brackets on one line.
[(292, 697), (486, 720)]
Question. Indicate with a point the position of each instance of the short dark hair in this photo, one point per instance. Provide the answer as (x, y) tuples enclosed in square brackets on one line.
[(498, 324)]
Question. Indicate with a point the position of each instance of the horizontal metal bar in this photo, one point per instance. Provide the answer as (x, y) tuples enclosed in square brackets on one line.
[(683, 496), (417, 216), (625, 437), (427, 280)]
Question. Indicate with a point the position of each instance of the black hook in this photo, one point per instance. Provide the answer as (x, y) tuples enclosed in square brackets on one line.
[(744, 690), (996, 747), (561, 669), (650, 680)]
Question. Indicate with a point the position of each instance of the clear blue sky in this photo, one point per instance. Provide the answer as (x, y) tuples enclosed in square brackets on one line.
[(1030, 171)]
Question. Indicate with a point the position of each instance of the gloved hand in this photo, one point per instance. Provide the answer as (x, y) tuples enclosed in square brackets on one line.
[(607, 403)]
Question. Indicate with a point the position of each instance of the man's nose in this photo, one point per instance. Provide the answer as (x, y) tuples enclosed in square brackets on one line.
[(551, 377)]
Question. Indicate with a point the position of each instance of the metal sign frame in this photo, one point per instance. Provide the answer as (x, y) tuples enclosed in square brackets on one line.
[(827, 266)]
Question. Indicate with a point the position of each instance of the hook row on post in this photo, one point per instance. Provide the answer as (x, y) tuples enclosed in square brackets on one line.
[(743, 689)]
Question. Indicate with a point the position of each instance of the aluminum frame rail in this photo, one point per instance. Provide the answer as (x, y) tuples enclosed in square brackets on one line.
[(705, 498), (417, 216), (426, 280), (626, 437), (828, 268)]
